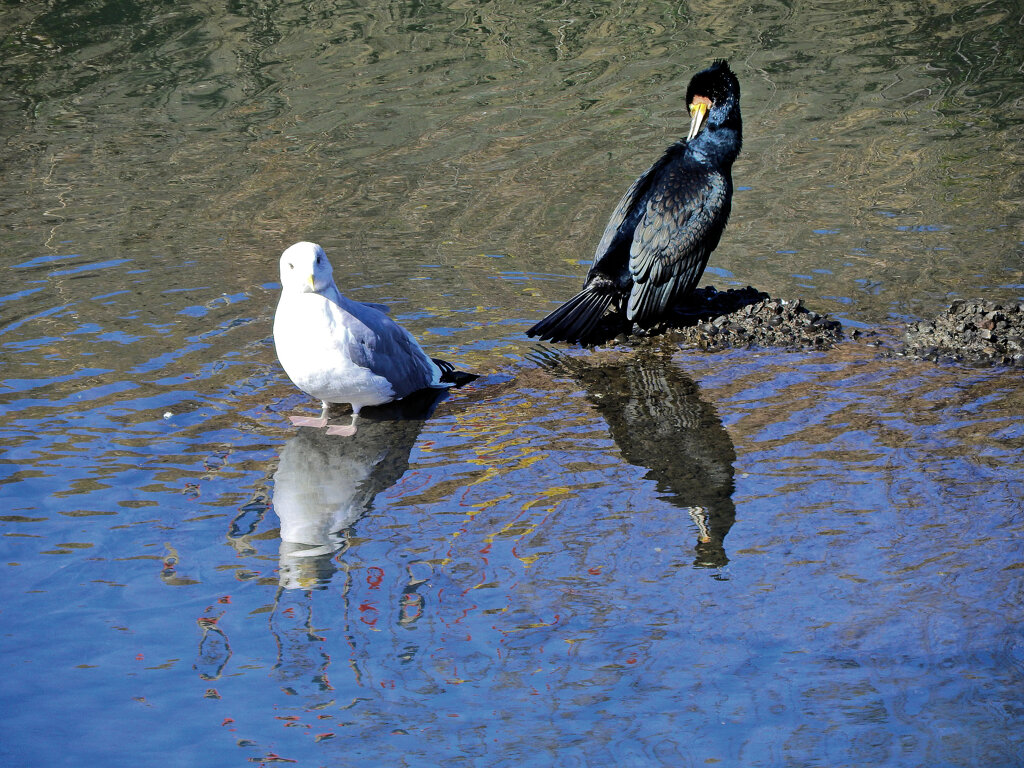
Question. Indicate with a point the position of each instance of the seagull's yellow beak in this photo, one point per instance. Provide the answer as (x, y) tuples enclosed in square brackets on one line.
[(698, 113), (312, 282)]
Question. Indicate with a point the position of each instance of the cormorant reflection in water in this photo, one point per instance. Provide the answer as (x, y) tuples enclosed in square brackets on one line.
[(324, 484), (658, 420)]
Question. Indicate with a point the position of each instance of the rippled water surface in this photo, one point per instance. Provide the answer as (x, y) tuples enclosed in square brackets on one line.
[(609, 557)]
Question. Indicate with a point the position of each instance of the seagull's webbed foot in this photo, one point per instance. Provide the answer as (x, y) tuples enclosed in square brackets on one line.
[(318, 422), (308, 421), (346, 430)]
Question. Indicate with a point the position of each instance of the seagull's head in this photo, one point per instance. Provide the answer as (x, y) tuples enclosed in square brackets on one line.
[(305, 269)]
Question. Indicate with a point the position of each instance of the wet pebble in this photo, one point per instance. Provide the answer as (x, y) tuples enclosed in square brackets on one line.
[(746, 317), (973, 332)]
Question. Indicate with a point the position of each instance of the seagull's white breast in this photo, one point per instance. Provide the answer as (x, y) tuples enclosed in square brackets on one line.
[(314, 338)]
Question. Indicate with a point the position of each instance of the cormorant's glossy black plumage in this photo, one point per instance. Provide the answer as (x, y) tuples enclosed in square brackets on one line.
[(659, 238)]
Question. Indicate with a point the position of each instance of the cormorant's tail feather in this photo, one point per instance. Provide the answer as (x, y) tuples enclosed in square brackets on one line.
[(451, 375), (578, 321)]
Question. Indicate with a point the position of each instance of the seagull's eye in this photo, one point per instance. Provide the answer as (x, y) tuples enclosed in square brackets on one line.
[(291, 266)]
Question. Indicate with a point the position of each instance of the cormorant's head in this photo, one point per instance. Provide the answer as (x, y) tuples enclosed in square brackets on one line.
[(713, 98), (305, 269)]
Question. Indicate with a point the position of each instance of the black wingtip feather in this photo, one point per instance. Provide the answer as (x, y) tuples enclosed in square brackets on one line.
[(452, 375)]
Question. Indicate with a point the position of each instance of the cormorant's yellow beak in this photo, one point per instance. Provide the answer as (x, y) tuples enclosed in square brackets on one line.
[(698, 112)]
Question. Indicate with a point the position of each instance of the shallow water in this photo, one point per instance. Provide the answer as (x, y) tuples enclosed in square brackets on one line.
[(617, 557)]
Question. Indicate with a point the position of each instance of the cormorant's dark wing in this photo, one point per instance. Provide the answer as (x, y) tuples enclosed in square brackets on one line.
[(686, 213), (618, 232)]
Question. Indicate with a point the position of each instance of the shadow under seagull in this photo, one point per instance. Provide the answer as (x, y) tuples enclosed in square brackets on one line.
[(658, 420), (324, 484)]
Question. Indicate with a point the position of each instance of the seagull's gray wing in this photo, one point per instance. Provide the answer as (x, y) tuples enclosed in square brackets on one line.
[(378, 343)]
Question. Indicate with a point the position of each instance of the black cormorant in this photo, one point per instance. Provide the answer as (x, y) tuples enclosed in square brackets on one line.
[(659, 238)]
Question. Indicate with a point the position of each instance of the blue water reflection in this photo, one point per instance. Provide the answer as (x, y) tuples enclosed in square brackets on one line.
[(521, 577)]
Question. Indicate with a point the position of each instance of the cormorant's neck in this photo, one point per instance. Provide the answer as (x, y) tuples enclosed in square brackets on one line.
[(720, 139)]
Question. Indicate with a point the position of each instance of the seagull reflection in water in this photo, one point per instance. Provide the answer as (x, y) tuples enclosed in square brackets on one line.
[(658, 420), (324, 484)]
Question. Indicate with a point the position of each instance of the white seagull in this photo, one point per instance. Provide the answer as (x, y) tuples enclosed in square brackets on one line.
[(343, 351)]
